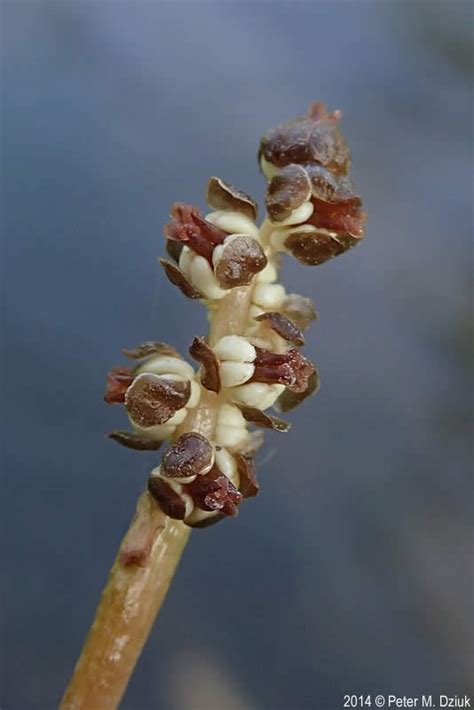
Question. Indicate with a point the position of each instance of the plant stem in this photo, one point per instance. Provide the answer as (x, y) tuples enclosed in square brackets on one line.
[(129, 604), (145, 564)]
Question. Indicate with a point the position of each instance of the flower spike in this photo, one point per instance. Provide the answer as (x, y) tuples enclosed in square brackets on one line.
[(251, 360)]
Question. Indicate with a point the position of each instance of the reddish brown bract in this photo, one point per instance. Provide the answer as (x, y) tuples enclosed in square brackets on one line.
[(259, 418), (119, 380), (176, 276), (131, 440), (285, 328), (214, 491), (290, 369), (201, 352), (189, 227)]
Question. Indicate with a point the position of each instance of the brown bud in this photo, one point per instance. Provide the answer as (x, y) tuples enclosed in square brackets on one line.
[(202, 353), (170, 501), (314, 138), (284, 327), (259, 418), (252, 444), (214, 491), (241, 258), (176, 276), (249, 486), (134, 441), (151, 348), (222, 195), (189, 227), (291, 369), (190, 455), (152, 400), (119, 380), (299, 309), (314, 248), (289, 400), (287, 191)]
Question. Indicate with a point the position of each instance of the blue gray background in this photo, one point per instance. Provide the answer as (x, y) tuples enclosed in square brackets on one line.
[(352, 571)]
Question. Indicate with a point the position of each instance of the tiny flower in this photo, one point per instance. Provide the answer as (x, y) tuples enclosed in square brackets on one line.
[(310, 199), (314, 138), (212, 260), (156, 394), (197, 482)]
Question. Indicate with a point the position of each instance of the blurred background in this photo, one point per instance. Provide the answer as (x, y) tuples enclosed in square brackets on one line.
[(352, 570)]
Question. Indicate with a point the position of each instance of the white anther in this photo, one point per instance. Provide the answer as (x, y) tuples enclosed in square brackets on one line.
[(268, 169), (186, 479), (185, 497), (233, 374), (195, 395), (159, 432), (185, 259), (255, 311), (230, 436), (198, 270), (268, 295), (167, 365), (299, 215), (233, 222), (203, 278), (177, 417), (231, 416), (234, 348), (258, 394), (267, 275), (226, 463), (231, 427)]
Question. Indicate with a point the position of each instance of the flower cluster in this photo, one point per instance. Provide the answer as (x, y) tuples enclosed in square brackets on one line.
[(313, 214)]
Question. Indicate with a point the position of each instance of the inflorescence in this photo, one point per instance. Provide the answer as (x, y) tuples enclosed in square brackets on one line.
[(313, 214)]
